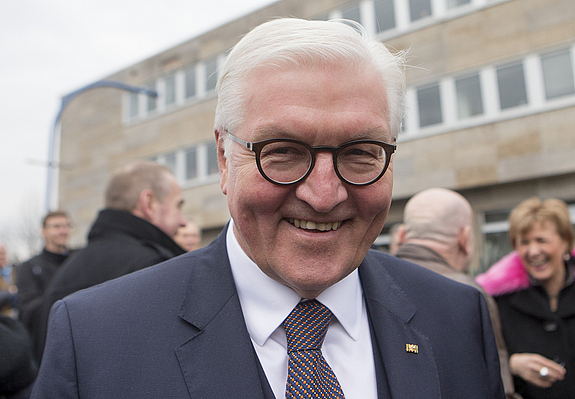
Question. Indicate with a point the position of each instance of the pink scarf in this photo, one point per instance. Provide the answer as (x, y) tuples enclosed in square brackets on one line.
[(505, 276)]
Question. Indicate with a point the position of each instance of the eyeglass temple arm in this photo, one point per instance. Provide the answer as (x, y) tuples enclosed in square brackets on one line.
[(248, 145)]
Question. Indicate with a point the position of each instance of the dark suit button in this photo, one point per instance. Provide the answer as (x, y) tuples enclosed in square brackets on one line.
[(550, 327), (37, 270)]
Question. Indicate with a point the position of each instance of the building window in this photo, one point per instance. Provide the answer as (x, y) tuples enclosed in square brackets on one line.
[(511, 82), (419, 9), (212, 159), (191, 163), (429, 104), (468, 90), (190, 82), (211, 74), (451, 4), (384, 15), (151, 101), (170, 82), (133, 108), (352, 13), (171, 161), (558, 74), (495, 238)]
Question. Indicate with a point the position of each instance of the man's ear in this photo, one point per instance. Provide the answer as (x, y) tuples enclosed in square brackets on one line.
[(146, 205), (401, 233), (464, 241), (222, 162)]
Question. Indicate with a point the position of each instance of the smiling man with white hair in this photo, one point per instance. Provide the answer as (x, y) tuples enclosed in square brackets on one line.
[(288, 301)]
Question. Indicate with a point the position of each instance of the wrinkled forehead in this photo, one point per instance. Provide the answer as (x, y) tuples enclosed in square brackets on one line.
[(338, 97)]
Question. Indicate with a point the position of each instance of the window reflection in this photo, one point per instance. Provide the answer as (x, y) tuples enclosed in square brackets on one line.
[(170, 90), (419, 9), (511, 82), (384, 15), (469, 102), (190, 83), (429, 104), (558, 74)]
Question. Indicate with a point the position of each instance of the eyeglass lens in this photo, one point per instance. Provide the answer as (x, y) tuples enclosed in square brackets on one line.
[(287, 162)]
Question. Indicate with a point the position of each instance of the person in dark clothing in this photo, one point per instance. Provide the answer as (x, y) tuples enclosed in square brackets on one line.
[(35, 275), (134, 231), (534, 287), (17, 366), (305, 116), (437, 233)]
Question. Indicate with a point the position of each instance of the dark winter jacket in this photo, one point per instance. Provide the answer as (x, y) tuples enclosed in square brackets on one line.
[(17, 368), (529, 325), (34, 276), (118, 243)]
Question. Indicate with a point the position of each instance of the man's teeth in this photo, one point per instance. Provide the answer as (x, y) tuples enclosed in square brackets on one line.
[(307, 225)]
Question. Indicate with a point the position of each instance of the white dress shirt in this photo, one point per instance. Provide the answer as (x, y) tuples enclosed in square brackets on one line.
[(266, 303)]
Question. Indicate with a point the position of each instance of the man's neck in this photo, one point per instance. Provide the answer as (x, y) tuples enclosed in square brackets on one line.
[(441, 249), (56, 249)]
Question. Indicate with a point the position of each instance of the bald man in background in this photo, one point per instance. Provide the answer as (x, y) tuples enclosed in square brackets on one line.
[(437, 233)]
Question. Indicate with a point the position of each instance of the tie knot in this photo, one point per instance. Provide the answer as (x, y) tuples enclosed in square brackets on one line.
[(306, 326)]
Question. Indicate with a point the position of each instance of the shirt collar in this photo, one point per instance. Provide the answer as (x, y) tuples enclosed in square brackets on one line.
[(266, 302)]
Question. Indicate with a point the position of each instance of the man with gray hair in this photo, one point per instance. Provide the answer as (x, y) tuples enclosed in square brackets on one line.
[(289, 301), (437, 233), (142, 213)]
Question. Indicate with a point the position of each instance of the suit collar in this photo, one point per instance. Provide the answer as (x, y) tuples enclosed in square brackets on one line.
[(381, 288), (401, 350), (218, 360)]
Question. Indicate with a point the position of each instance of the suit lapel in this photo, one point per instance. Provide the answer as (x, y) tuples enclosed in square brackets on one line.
[(218, 359), (405, 354)]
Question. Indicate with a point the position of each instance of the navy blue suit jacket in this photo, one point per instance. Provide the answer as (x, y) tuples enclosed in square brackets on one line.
[(176, 330)]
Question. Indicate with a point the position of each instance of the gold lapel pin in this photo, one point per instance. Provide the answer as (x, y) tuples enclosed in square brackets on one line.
[(411, 348)]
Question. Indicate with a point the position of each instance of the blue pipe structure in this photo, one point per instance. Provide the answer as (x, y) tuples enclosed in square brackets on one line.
[(52, 164)]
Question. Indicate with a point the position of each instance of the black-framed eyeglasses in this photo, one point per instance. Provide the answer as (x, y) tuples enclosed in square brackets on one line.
[(285, 161)]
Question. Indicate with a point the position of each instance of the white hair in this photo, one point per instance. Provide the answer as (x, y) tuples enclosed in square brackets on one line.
[(288, 43)]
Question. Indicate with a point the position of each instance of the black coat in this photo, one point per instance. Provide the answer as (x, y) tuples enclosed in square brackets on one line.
[(118, 243), (529, 326), (34, 276), (17, 368)]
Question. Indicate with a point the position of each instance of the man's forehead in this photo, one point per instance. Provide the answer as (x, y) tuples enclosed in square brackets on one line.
[(288, 108), (56, 218)]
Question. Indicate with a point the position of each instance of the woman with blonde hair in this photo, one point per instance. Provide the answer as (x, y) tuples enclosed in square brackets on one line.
[(535, 291)]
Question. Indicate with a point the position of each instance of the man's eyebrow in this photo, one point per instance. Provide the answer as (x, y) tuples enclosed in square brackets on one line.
[(271, 132), (375, 133)]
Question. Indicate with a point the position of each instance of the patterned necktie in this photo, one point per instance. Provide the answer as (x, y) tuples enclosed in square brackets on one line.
[(309, 375)]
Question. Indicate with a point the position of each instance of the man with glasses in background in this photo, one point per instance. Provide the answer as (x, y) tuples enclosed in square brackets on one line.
[(288, 301)]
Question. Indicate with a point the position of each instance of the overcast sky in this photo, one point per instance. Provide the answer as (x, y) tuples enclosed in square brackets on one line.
[(49, 48)]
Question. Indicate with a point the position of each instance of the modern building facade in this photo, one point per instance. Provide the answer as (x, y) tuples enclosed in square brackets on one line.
[(490, 110)]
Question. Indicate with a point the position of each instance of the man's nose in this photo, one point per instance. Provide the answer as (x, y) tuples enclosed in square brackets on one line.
[(322, 189)]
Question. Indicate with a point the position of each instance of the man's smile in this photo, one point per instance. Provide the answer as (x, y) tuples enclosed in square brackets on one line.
[(307, 225)]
